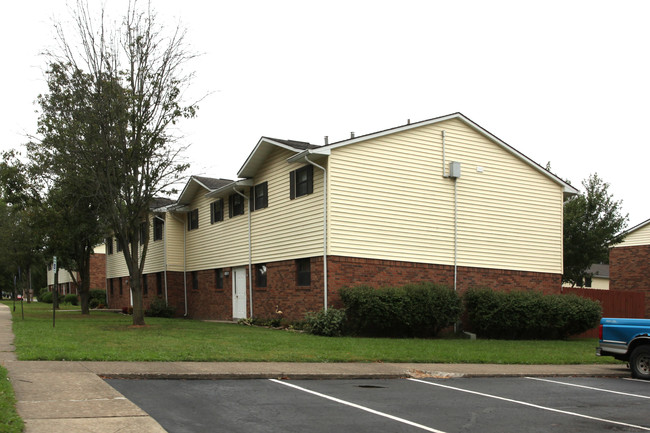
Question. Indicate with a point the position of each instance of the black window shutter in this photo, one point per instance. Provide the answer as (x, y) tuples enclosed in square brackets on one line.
[(265, 187), (292, 185), (251, 198), (310, 179), (230, 205), (212, 215), (220, 213)]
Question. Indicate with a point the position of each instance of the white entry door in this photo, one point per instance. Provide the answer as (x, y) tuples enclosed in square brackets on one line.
[(239, 293)]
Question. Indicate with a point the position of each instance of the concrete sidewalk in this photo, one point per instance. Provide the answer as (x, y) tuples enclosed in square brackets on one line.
[(70, 396)]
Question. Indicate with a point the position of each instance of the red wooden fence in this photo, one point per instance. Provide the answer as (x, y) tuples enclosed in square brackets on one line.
[(615, 303)]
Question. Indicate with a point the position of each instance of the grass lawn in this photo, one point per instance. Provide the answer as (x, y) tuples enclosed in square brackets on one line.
[(107, 336), (10, 422)]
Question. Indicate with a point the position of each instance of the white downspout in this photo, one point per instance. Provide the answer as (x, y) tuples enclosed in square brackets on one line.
[(250, 253), (184, 261), (324, 229), (455, 232), (164, 256)]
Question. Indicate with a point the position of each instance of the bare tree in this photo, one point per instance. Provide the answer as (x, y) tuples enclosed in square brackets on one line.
[(127, 82)]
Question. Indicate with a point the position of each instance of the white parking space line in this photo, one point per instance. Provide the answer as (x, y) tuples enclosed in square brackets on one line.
[(636, 380), (609, 421), (356, 406), (589, 387)]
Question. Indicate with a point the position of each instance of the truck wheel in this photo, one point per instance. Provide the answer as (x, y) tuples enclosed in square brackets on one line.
[(640, 362)]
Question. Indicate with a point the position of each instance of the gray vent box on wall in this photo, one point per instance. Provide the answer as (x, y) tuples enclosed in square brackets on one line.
[(454, 169)]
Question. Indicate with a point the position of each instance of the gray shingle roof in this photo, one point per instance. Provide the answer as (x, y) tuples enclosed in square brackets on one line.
[(212, 182), (299, 145)]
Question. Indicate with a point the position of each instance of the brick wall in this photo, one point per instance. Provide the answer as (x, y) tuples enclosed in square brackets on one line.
[(283, 293), (349, 271), (98, 271), (629, 269)]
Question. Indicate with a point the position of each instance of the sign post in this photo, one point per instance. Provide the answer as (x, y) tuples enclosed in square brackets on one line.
[(55, 291)]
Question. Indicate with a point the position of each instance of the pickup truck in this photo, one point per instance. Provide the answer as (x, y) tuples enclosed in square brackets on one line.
[(626, 340)]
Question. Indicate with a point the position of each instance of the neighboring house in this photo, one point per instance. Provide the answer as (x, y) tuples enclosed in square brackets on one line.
[(598, 277), (629, 262), (440, 200), (66, 282)]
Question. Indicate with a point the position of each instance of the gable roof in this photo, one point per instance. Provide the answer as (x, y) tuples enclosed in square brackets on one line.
[(568, 189), (636, 227), (599, 270), (197, 182), (262, 150)]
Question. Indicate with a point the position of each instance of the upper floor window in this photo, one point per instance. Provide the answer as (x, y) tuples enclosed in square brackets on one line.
[(301, 181), (235, 205), (118, 245), (259, 196), (193, 220), (109, 245), (158, 228), (216, 211)]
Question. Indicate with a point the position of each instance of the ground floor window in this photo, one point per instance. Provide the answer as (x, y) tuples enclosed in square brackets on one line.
[(218, 276), (303, 272), (260, 275), (159, 283), (195, 280)]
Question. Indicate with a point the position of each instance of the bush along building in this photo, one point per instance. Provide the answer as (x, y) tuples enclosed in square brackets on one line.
[(440, 200)]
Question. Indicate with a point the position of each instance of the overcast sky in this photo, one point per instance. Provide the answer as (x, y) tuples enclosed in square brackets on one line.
[(561, 81)]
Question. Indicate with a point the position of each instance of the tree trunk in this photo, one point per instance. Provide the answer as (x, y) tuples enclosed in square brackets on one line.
[(84, 289), (138, 303)]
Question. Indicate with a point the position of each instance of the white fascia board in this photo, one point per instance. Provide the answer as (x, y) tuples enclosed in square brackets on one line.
[(636, 227), (301, 156), (568, 189), (261, 142), (230, 186), (188, 185)]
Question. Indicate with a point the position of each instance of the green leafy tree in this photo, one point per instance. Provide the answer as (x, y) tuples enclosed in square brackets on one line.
[(20, 230), (592, 223), (114, 95)]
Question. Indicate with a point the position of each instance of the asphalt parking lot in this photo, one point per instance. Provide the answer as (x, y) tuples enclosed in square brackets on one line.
[(521, 404)]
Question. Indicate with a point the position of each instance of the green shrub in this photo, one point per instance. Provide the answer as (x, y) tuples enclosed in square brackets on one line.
[(93, 303), (45, 297), (70, 299), (99, 295), (159, 308), (413, 310), (328, 322), (529, 315)]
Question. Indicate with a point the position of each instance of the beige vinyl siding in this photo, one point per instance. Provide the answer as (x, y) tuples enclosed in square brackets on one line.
[(115, 263), (64, 277), (155, 260), (390, 201), (640, 236), (286, 229), (175, 227), (222, 244)]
